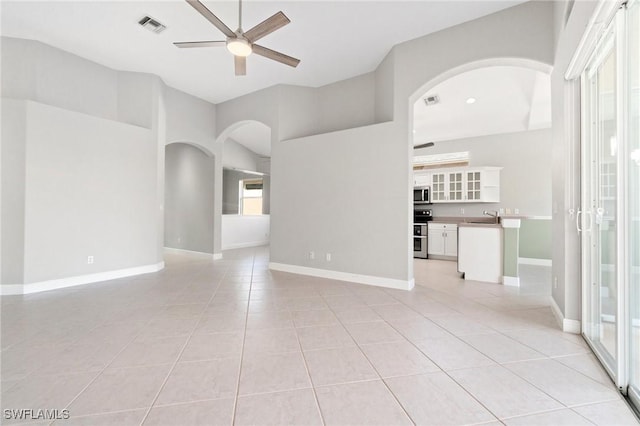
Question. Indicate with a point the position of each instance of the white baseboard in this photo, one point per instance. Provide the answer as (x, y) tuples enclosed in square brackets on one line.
[(511, 281), (196, 253), (245, 245), (215, 256), (344, 276), (16, 289), (534, 261), (567, 325)]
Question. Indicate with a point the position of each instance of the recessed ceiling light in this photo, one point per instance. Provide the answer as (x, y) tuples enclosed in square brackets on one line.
[(471, 101)]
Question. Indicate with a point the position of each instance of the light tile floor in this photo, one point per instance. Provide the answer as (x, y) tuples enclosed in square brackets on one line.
[(230, 342)]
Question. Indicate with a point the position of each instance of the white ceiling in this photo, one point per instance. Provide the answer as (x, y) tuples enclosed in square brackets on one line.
[(508, 99), (334, 39)]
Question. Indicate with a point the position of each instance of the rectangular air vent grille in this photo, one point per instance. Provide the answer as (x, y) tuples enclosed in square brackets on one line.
[(431, 100), (152, 25)]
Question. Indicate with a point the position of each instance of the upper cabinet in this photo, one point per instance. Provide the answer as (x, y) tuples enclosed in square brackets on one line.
[(462, 185)]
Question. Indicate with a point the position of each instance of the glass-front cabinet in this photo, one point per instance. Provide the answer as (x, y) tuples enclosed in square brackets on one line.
[(463, 185)]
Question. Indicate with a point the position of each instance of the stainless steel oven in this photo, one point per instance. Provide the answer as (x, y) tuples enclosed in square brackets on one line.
[(420, 240)]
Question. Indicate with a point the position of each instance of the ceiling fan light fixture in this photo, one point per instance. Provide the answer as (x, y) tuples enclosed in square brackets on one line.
[(239, 47)]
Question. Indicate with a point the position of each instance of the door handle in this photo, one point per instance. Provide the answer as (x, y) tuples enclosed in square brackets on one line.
[(578, 220), (590, 220)]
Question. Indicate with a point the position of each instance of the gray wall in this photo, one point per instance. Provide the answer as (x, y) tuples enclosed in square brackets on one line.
[(93, 179), (231, 187), (230, 192), (565, 157), (14, 128), (525, 31), (525, 158), (90, 191), (189, 198), (536, 240), (330, 196)]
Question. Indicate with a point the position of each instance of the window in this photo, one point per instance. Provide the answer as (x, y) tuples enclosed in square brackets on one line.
[(250, 201)]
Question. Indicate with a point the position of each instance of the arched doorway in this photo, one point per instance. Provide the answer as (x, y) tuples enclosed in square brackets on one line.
[(246, 184), (486, 117), (189, 198)]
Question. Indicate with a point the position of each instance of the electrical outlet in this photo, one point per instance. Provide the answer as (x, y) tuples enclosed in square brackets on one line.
[(312, 255), (461, 210), (501, 211), (555, 283), (516, 211), (328, 257), (89, 260), (507, 211)]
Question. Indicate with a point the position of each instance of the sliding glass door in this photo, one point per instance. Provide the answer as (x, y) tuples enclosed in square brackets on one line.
[(609, 217), (632, 159), (600, 200)]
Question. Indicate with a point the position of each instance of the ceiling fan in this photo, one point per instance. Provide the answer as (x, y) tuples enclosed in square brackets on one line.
[(240, 43), (424, 145)]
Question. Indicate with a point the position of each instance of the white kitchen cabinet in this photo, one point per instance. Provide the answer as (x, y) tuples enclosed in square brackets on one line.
[(466, 185), (442, 240), (421, 178), (481, 252)]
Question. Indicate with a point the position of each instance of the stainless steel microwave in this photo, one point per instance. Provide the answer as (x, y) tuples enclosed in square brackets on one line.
[(422, 195)]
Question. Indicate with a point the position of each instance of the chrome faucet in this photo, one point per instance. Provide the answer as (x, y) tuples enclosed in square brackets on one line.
[(493, 213)]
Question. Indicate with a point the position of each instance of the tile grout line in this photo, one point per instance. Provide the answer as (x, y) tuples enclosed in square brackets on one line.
[(101, 372), (544, 357), (175, 363), (306, 367), (244, 338), (436, 364), (370, 363)]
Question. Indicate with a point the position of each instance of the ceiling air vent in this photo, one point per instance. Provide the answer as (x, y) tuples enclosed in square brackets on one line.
[(152, 25), (431, 100)]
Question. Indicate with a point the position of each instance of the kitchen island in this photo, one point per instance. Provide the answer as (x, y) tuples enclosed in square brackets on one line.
[(480, 251)]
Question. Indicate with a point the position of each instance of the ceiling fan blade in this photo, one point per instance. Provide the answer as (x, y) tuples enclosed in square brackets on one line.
[(276, 56), (267, 26), (187, 44), (209, 16), (240, 64), (424, 145)]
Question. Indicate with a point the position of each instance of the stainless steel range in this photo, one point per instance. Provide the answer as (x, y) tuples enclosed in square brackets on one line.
[(420, 218), (420, 240)]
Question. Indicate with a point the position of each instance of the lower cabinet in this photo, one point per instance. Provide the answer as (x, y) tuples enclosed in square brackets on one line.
[(442, 241)]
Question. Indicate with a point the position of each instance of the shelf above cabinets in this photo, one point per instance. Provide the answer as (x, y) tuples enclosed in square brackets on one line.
[(462, 184)]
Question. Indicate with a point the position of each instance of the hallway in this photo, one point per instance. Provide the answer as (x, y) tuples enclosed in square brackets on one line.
[(230, 342)]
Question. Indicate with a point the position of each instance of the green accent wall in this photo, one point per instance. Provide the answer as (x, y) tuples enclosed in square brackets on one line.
[(535, 238), (510, 259)]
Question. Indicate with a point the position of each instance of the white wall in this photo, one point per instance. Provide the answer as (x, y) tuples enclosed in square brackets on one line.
[(347, 104), (244, 231), (565, 156), (76, 99), (318, 162), (525, 176), (35, 71), (189, 198), (333, 193), (190, 119), (14, 127), (237, 156), (90, 191)]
